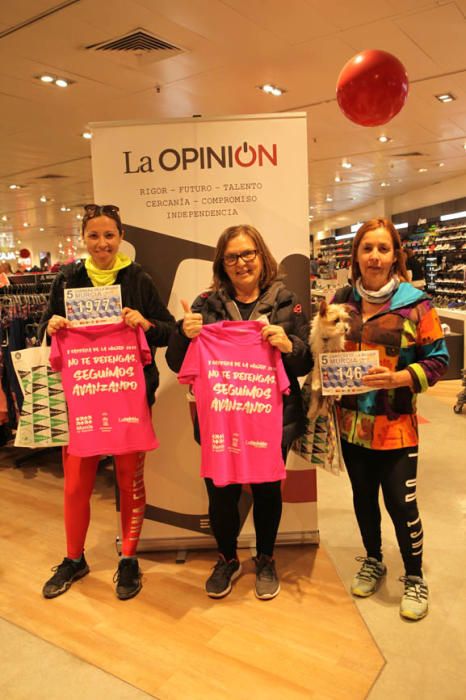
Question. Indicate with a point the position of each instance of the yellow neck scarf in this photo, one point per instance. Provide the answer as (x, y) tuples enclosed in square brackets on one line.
[(102, 278)]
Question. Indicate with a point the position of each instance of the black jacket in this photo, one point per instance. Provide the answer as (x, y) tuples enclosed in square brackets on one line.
[(282, 308), (137, 292)]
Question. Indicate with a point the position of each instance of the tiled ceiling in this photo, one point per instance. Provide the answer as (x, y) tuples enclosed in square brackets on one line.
[(228, 47)]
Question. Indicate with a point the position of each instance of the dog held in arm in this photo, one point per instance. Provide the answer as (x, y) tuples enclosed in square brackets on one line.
[(327, 334)]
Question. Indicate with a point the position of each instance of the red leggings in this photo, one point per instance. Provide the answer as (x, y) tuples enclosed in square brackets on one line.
[(79, 481)]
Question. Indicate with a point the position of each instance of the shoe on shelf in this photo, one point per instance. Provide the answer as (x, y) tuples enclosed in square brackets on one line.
[(128, 579), (267, 583), (367, 580), (415, 601), (224, 573), (65, 573)]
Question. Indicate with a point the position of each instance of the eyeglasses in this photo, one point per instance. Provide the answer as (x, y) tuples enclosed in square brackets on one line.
[(246, 256), (91, 209)]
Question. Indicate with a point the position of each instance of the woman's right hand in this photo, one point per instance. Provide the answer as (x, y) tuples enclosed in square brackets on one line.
[(192, 323), (55, 323)]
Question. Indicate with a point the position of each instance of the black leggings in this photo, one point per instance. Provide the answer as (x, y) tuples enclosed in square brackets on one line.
[(395, 472), (225, 519)]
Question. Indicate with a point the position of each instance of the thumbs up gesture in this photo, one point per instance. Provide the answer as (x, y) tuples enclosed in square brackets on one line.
[(192, 323)]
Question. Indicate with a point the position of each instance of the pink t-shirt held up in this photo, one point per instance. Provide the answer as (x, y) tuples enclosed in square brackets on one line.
[(238, 381), (103, 380)]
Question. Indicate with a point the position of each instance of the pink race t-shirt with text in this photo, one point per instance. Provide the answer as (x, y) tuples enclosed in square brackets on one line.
[(238, 381), (105, 390)]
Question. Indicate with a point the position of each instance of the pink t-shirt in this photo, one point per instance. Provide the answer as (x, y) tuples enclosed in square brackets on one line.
[(103, 380), (238, 380)]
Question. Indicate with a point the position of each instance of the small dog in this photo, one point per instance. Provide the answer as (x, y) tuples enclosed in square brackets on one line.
[(327, 334)]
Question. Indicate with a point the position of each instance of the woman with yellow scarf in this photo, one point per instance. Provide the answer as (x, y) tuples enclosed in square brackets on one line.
[(103, 233)]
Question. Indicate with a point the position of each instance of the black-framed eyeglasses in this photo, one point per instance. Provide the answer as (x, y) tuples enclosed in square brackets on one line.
[(246, 256), (91, 209)]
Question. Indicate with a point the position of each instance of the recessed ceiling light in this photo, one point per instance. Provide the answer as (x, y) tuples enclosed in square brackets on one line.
[(271, 89), (4, 217), (422, 170), (440, 165), (43, 198), (445, 97), (346, 164), (383, 139), (47, 78), (14, 187), (25, 225), (384, 184), (61, 82), (42, 228), (328, 198), (337, 178), (86, 134)]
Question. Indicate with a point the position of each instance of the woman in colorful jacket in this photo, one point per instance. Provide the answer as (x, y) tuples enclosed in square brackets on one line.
[(379, 428)]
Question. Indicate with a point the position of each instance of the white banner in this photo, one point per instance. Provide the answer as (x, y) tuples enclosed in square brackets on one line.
[(178, 185)]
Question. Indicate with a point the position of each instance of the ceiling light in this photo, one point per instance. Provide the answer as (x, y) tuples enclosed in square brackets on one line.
[(47, 78), (337, 178), (383, 139), (346, 164), (271, 89), (422, 170), (456, 215), (440, 165), (25, 225), (18, 242), (384, 184), (61, 82), (328, 198), (4, 217), (86, 134), (445, 97), (43, 198), (42, 228), (14, 187)]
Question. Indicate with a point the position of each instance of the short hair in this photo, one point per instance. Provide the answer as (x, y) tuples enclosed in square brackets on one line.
[(269, 264), (372, 225), (92, 211)]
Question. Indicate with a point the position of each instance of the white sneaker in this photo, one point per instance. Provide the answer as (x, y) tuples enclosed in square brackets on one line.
[(415, 601), (367, 580)]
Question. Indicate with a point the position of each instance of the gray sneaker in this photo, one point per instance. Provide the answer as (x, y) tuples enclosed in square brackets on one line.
[(219, 582), (267, 583), (415, 601), (367, 580)]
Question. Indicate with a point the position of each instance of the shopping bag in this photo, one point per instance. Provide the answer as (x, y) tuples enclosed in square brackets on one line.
[(320, 444), (43, 421)]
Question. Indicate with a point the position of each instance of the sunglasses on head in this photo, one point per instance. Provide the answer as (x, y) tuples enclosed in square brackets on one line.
[(91, 209)]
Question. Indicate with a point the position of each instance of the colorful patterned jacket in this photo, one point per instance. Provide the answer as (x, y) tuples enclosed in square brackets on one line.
[(408, 335)]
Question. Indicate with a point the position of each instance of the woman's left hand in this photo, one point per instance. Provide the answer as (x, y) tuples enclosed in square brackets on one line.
[(278, 338), (134, 319), (384, 378)]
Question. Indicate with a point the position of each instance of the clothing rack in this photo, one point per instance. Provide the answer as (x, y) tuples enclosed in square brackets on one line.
[(22, 304)]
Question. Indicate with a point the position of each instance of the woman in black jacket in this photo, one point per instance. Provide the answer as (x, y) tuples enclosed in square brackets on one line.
[(246, 286), (102, 234)]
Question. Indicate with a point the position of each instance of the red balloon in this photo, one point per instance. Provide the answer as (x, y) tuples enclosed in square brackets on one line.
[(24, 253), (372, 87)]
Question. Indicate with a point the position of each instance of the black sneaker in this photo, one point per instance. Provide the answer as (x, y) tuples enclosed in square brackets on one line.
[(219, 582), (65, 573), (128, 579), (267, 583)]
